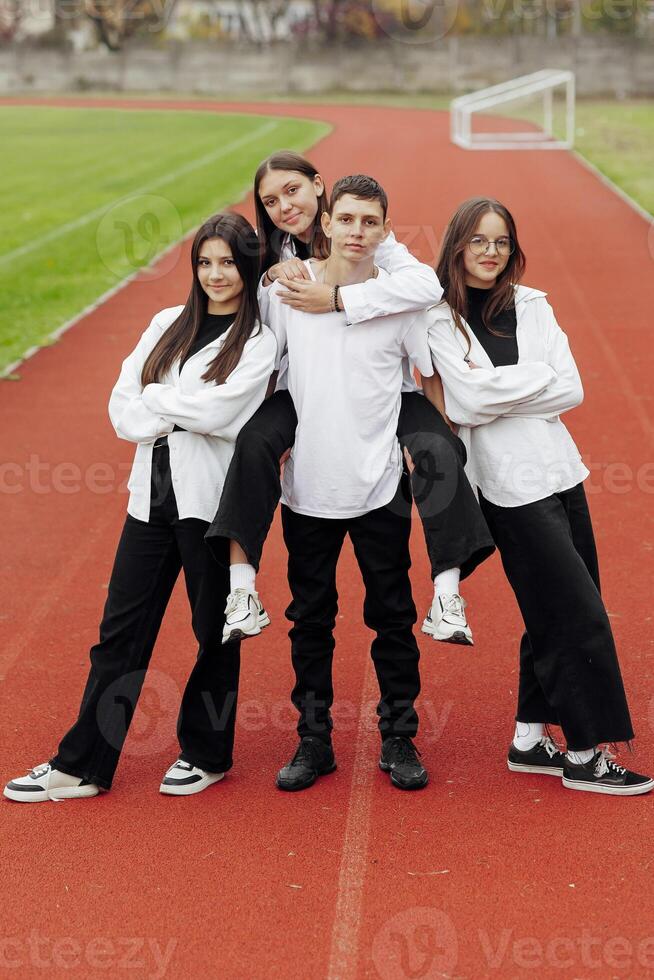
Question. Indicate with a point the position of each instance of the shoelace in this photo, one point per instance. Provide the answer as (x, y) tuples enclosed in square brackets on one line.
[(403, 750), (550, 747), (181, 764), (303, 754), (41, 770), (605, 764), (239, 601), (454, 605)]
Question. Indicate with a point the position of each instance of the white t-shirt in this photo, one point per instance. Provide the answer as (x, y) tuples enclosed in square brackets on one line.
[(346, 384)]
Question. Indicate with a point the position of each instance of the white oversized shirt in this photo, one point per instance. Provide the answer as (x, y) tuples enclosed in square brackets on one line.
[(411, 286), (519, 450), (346, 382), (211, 414)]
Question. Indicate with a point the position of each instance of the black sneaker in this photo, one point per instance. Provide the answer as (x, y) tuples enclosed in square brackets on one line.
[(544, 758), (603, 775), (313, 758), (399, 756)]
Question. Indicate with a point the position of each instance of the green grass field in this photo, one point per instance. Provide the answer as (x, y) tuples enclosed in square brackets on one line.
[(90, 196)]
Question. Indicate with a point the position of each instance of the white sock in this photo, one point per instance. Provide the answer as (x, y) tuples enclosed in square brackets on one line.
[(580, 758), (528, 734), (447, 583), (242, 577)]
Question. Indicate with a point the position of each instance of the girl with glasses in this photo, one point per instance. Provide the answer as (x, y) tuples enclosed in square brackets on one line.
[(508, 376)]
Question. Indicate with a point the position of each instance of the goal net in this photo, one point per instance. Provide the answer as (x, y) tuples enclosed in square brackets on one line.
[(533, 112)]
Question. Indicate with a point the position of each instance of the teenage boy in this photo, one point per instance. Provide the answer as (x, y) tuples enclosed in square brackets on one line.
[(343, 477)]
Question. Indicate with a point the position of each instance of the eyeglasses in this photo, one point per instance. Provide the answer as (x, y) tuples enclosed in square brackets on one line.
[(479, 245)]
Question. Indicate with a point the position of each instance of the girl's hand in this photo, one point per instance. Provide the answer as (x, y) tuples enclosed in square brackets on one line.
[(308, 297), (290, 269), (473, 366)]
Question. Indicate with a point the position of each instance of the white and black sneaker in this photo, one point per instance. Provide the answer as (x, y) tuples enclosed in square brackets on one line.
[(244, 616), (545, 758), (446, 620), (602, 775), (184, 779), (45, 783)]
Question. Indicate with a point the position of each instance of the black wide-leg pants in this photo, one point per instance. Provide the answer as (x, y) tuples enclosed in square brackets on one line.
[(381, 544), (455, 530), (148, 561), (569, 671)]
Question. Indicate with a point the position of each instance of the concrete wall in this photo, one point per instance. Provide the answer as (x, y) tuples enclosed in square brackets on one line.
[(604, 66)]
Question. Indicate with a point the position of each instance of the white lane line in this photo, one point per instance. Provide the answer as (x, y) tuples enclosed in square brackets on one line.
[(50, 597), (187, 168), (343, 956)]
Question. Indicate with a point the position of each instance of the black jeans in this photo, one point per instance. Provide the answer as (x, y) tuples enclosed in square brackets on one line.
[(455, 530), (381, 545), (147, 564), (569, 671)]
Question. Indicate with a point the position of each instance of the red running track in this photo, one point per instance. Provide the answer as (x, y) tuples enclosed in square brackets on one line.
[(485, 873)]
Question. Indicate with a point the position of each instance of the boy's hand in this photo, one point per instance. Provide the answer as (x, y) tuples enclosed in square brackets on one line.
[(308, 297)]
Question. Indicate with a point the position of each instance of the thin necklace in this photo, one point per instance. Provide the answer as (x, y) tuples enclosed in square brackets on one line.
[(321, 273)]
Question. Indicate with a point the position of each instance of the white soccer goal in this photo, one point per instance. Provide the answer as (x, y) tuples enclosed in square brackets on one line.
[(538, 92)]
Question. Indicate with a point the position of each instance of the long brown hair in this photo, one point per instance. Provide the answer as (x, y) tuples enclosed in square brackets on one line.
[(176, 341), (271, 238), (451, 270)]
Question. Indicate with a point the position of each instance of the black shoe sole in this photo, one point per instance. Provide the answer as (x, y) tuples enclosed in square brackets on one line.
[(386, 768), (300, 786), (458, 638)]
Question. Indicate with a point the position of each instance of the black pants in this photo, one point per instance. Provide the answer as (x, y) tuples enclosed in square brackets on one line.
[(381, 545), (455, 530), (569, 671), (147, 564)]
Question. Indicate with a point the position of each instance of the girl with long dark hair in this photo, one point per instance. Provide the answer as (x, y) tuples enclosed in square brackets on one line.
[(196, 376), (290, 197), (508, 376)]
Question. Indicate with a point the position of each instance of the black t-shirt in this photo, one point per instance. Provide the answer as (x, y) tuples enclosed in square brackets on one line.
[(212, 327), (302, 250), (501, 350)]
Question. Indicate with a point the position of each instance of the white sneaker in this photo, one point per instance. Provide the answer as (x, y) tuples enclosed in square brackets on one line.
[(45, 783), (446, 620), (183, 779), (244, 616)]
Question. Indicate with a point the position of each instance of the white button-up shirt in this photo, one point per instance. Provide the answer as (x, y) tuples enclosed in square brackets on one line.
[(211, 414), (519, 450)]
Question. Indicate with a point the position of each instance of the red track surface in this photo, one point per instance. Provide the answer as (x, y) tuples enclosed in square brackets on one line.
[(485, 873)]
